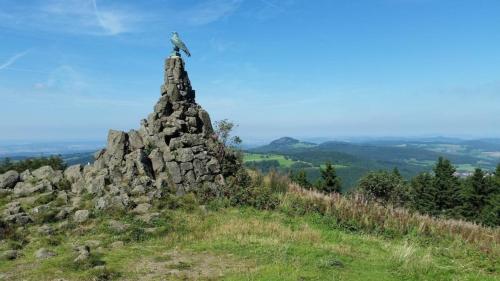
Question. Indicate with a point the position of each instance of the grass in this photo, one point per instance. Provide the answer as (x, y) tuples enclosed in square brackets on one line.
[(248, 244), (282, 160)]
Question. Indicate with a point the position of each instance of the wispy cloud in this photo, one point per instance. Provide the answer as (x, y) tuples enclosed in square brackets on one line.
[(65, 79), (13, 59), (211, 11), (111, 22), (72, 16)]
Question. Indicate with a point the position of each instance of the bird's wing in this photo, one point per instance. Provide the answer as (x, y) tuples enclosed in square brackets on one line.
[(183, 47)]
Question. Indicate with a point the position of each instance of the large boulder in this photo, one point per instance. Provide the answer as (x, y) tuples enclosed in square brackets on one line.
[(9, 179), (73, 173), (81, 216)]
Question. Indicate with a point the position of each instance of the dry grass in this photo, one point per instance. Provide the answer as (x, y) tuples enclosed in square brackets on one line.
[(264, 231), (369, 216)]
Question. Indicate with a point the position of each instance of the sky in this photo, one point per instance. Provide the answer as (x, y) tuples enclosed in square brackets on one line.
[(72, 69)]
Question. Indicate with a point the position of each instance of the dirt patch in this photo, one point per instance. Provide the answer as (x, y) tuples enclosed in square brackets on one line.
[(185, 265)]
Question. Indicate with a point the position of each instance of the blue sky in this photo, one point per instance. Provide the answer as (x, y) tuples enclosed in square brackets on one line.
[(72, 69)]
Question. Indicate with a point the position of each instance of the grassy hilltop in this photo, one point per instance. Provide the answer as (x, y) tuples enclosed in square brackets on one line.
[(272, 230)]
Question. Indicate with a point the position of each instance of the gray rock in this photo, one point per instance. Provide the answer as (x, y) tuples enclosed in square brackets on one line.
[(213, 166), (200, 169), (9, 179), (83, 254), (63, 213), (9, 255), (73, 173), (78, 187), (45, 230), (81, 216), (142, 208), (102, 203), (135, 140), (43, 253), (119, 202), (23, 189), (170, 131), (174, 172), (117, 244), (185, 167), (26, 176), (137, 164), (117, 226), (97, 185), (47, 173), (184, 155), (157, 161), (190, 177), (44, 172), (207, 124), (13, 208), (138, 190), (148, 217), (117, 144), (19, 219)]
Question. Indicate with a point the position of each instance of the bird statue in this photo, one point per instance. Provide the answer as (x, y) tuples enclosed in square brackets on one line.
[(178, 45)]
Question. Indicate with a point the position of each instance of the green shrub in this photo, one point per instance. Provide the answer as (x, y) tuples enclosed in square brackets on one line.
[(63, 184)]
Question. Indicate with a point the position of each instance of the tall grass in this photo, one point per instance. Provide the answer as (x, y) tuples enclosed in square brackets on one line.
[(354, 211)]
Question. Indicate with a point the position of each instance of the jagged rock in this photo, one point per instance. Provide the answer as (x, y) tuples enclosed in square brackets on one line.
[(81, 216), (43, 253), (137, 164), (9, 179), (157, 161), (74, 173), (135, 140)]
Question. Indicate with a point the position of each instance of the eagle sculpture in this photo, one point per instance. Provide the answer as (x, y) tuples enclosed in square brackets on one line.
[(178, 45)]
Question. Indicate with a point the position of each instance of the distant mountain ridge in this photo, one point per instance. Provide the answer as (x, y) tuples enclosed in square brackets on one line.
[(282, 145), (354, 159)]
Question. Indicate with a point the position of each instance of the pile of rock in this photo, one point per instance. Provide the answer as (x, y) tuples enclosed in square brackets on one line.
[(174, 151)]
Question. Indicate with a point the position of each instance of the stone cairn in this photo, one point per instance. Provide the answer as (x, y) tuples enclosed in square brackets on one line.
[(175, 151)]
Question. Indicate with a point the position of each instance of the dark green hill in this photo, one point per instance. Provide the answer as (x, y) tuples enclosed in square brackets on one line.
[(284, 145)]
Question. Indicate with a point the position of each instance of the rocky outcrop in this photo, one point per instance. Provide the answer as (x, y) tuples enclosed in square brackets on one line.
[(174, 151)]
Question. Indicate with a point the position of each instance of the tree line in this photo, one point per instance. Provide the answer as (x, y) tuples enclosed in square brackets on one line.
[(20, 166), (438, 193)]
